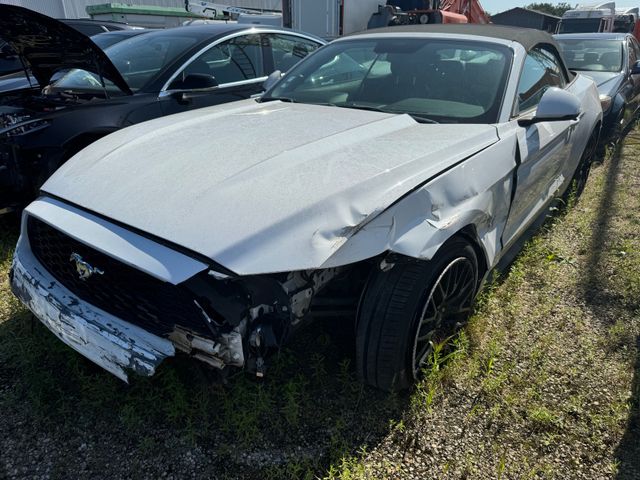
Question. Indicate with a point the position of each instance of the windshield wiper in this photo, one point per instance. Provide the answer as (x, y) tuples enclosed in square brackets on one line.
[(359, 106), (282, 99), (418, 117)]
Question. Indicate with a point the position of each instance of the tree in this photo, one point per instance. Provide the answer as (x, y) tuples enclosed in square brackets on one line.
[(549, 8)]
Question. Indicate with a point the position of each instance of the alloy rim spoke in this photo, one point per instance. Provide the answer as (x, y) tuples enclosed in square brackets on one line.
[(447, 306), (460, 311), (427, 320), (424, 352), (463, 295)]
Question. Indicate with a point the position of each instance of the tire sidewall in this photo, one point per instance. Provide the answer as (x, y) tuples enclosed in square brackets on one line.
[(385, 333)]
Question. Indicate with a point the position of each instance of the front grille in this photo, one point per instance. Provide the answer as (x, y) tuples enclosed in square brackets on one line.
[(121, 290)]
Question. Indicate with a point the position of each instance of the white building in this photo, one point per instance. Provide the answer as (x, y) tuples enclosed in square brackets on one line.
[(76, 8)]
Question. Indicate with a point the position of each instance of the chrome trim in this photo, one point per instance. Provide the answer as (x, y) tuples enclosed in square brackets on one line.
[(166, 93), (249, 31)]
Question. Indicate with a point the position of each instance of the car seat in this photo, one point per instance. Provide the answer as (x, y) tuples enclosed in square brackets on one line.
[(611, 60)]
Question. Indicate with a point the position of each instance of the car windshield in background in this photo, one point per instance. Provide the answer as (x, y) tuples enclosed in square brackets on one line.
[(107, 39), (138, 59), (580, 25), (431, 80), (592, 55)]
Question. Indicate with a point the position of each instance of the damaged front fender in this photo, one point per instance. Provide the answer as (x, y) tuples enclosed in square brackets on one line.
[(476, 192)]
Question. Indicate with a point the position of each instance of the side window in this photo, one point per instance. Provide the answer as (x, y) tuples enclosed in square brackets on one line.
[(288, 50), (542, 70), (235, 60)]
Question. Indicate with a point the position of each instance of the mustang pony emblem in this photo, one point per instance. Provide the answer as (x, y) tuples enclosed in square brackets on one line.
[(83, 268)]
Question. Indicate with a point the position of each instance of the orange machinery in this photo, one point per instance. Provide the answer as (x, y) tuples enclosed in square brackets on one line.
[(408, 12)]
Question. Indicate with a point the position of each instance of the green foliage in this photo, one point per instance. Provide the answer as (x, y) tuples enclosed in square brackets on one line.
[(551, 9)]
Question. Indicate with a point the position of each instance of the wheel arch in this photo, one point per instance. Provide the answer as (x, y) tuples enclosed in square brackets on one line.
[(467, 233), (470, 234)]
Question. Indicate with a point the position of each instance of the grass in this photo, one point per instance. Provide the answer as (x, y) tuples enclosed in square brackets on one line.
[(544, 383), (309, 413), (549, 384)]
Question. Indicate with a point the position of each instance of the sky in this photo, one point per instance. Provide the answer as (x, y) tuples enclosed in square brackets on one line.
[(496, 6)]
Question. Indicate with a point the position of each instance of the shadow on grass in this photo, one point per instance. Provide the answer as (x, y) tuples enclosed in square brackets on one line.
[(594, 294), (628, 451), (308, 413), (605, 300)]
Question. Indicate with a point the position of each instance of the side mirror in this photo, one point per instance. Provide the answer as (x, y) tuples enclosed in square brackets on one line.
[(272, 79), (555, 105), (195, 82), (635, 68)]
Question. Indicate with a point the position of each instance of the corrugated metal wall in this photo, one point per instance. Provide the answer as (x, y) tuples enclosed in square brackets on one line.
[(76, 8)]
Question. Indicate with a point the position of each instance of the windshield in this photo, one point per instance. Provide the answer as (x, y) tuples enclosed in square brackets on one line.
[(138, 59), (580, 25), (592, 55), (431, 80), (107, 39)]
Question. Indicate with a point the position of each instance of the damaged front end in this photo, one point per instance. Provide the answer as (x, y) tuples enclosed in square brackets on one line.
[(125, 319), (117, 346), (243, 319)]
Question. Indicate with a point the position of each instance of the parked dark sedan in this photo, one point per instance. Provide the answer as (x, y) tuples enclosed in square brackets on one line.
[(147, 76), (19, 80), (93, 27), (612, 60)]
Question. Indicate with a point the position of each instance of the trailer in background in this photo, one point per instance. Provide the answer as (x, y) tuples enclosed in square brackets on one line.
[(330, 19), (586, 18), (147, 16)]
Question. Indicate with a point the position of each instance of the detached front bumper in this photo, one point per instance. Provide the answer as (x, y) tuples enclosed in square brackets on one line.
[(115, 345)]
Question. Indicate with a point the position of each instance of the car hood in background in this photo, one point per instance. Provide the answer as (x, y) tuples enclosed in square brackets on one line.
[(262, 187), (47, 46), (607, 82)]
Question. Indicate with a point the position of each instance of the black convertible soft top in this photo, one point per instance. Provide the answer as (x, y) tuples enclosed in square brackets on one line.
[(527, 37)]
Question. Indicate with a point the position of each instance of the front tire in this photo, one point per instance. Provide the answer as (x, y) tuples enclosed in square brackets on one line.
[(581, 175), (410, 307)]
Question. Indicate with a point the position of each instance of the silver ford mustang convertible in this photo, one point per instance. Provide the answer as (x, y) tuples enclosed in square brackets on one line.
[(380, 180)]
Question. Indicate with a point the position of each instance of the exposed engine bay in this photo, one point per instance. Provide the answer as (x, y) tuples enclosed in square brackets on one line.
[(10, 116), (243, 319)]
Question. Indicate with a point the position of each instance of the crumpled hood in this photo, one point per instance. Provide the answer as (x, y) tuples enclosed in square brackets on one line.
[(261, 188), (47, 46)]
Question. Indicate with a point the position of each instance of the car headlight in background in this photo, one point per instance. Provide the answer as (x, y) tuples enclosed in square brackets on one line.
[(27, 127), (605, 102)]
